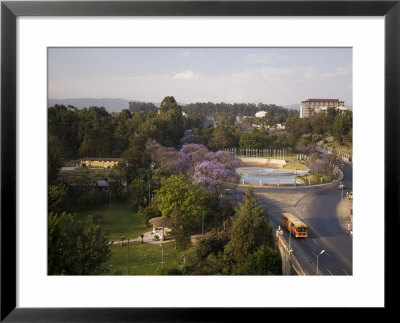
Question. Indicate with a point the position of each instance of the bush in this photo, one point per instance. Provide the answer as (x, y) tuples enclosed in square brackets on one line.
[(148, 213), (264, 261), (212, 245), (168, 269), (96, 217)]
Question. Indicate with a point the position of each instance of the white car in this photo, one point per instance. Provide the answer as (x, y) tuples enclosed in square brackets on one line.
[(341, 187)]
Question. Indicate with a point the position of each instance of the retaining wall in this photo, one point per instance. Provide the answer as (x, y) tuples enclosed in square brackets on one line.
[(290, 265)]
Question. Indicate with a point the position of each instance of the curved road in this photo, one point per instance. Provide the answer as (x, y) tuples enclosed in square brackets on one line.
[(318, 208)]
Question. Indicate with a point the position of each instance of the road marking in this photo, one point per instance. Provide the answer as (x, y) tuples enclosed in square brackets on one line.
[(314, 241), (345, 272), (328, 254), (329, 271)]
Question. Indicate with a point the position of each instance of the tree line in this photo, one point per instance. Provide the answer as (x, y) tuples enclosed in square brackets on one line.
[(169, 173)]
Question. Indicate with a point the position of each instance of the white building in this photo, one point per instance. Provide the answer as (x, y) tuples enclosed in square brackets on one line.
[(279, 126), (261, 114)]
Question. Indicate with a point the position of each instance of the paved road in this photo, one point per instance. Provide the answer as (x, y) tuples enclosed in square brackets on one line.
[(318, 208)]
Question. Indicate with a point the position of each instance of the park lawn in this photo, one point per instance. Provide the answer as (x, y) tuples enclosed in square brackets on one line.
[(294, 166), (314, 180), (119, 221), (144, 258)]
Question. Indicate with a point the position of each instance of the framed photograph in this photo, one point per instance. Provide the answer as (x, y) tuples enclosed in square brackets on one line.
[(175, 54)]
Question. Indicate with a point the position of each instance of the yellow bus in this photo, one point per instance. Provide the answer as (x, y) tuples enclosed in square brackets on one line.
[(297, 227)]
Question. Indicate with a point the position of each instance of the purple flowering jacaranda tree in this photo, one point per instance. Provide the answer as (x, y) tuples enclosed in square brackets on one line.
[(211, 175)]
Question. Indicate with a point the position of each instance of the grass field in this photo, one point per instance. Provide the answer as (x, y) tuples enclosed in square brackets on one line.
[(119, 220), (144, 258), (294, 166), (346, 147)]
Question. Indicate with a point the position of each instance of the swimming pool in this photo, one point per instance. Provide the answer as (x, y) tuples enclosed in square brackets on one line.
[(264, 175)]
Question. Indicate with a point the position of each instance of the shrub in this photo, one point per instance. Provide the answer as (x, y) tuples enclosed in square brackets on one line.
[(168, 269), (96, 217)]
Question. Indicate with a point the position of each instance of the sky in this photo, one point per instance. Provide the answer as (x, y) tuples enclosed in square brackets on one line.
[(281, 76)]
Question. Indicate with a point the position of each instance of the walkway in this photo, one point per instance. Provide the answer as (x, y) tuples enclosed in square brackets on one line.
[(345, 214), (148, 237)]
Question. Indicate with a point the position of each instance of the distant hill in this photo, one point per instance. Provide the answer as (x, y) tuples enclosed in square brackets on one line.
[(111, 105), (293, 106)]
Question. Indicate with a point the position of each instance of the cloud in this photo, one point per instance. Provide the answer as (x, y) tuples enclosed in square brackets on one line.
[(185, 75), (340, 71), (265, 58), (187, 53)]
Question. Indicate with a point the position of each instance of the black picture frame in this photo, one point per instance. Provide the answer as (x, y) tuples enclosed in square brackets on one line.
[(10, 10)]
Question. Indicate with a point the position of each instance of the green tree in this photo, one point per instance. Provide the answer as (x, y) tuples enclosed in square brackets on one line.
[(263, 261), (75, 247), (343, 126), (168, 103), (251, 141), (185, 203), (214, 244), (139, 193), (57, 196), (63, 123), (55, 157), (149, 212), (136, 156), (250, 229), (223, 137), (122, 132), (95, 132)]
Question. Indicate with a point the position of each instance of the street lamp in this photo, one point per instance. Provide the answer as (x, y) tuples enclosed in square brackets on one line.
[(317, 259), (149, 194), (128, 256)]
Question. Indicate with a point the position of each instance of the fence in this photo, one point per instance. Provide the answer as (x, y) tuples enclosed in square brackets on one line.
[(283, 153)]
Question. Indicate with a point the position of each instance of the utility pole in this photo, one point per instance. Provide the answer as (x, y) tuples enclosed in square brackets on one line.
[(149, 192), (128, 256), (202, 225)]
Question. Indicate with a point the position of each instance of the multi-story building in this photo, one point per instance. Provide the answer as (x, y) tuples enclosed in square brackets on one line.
[(311, 106)]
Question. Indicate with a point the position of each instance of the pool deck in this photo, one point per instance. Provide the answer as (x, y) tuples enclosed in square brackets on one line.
[(262, 162)]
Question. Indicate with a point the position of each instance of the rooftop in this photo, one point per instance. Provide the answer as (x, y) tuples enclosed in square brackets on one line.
[(101, 159), (321, 100), (161, 221)]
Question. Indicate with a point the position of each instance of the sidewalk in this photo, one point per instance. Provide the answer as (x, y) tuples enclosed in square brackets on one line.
[(345, 214), (148, 237)]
